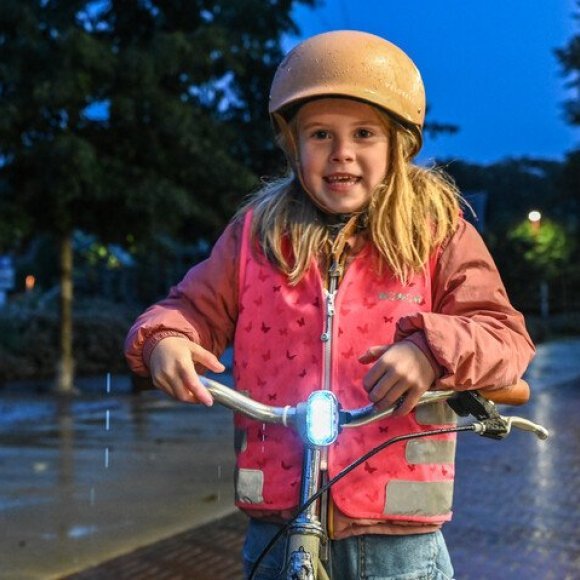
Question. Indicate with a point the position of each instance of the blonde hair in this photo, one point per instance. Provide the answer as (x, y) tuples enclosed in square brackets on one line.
[(410, 213)]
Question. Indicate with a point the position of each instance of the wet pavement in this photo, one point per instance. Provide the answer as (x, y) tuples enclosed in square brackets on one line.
[(86, 479), (115, 485)]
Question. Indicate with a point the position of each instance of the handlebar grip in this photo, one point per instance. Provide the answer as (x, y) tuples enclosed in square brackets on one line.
[(516, 394)]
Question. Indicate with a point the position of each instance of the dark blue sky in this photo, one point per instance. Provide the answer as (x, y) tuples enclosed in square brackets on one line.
[(488, 66)]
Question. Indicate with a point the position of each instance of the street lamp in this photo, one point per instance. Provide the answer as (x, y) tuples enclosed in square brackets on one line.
[(535, 218)]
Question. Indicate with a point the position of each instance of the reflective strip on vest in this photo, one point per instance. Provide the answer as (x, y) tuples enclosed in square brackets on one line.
[(418, 498), (249, 486), (426, 451), (435, 414)]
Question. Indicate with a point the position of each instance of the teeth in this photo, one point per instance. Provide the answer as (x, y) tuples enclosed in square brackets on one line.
[(341, 179)]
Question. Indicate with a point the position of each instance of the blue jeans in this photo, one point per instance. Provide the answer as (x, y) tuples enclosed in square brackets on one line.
[(372, 557)]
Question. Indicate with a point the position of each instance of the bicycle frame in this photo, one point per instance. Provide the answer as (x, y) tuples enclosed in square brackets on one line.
[(306, 532)]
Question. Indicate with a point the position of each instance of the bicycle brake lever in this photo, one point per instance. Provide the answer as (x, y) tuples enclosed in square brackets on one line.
[(500, 427), (525, 425)]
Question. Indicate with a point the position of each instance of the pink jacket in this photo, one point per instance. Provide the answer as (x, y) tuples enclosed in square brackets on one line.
[(472, 335)]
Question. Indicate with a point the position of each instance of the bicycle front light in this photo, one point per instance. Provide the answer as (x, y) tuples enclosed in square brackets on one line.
[(321, 424)]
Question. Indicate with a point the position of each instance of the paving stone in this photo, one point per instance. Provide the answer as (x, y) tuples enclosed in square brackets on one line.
[(516, 511)]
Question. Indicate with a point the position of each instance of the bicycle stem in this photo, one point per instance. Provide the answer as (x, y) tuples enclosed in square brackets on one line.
[(306, 532)]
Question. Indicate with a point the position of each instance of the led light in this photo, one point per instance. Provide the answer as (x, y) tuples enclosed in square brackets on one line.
[(322, 418)]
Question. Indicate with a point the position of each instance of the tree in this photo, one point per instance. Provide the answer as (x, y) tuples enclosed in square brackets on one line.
[(514, 187), (544, 247), (569, 201), (569, 58), (127, 117)]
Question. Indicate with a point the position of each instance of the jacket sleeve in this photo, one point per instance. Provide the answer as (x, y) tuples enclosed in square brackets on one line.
[(473, 332), (202, 307)]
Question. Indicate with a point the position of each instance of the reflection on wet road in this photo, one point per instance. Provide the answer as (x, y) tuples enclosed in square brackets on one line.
[(517, 503), (86, 479)]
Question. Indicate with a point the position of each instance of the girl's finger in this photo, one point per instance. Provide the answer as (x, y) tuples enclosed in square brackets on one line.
[(206, 358), (373, 353), (192, 387), (408, 403), (387, 393)]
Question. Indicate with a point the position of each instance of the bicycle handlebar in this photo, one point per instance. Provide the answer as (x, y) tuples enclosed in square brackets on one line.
[(517, 394), (514, 395), (236, 401)]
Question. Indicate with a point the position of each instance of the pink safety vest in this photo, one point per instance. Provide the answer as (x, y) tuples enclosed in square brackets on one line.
[(278, 359)]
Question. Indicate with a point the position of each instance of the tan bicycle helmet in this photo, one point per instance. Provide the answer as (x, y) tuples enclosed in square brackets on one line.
[(354, 64)]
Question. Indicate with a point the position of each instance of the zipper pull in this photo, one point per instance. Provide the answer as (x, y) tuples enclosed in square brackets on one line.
[(330, 304), (325, 336), (335, 271)]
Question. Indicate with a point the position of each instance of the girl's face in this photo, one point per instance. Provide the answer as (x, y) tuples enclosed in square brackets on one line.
[(343, 150)]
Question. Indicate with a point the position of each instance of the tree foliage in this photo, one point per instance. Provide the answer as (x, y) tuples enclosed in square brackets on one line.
[(127, 116), (524, 256), (132, 117), (544, 247), (569, 57), (513, 188)]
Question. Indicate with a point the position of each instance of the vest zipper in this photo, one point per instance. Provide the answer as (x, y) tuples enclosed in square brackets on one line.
[(327, 339), (334, 274)]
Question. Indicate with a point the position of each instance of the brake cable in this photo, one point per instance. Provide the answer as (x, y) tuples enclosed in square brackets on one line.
[(284, 529)]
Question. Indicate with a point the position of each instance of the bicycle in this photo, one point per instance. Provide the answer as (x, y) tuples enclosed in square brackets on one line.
[(319, 421)]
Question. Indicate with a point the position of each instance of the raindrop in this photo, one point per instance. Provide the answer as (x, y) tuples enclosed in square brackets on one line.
[(107, 420), (107, 458), (108, 382), (92, 497)]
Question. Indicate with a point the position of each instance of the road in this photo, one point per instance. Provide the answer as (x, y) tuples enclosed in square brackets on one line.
[(109, 482)]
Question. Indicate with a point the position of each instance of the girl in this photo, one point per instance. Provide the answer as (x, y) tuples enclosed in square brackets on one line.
[(355, 273)]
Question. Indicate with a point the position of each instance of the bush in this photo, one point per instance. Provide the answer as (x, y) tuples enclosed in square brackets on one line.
[(29, 339)]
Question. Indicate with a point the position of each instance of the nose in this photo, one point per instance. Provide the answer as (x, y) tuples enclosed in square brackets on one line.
[(342, 150)]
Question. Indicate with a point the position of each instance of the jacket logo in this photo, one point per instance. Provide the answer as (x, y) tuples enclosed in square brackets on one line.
[(401, 297)]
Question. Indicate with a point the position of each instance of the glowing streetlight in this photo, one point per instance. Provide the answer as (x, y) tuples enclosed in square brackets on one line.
[(29, 282), (535, 218)]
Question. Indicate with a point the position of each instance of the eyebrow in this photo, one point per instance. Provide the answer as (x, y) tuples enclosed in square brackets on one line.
[(367, 123)]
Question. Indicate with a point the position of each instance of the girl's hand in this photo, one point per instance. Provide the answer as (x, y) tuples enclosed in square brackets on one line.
[(171, 365), (400, 370)]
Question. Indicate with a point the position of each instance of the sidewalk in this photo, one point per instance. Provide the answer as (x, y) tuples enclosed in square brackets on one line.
[(88, 479), (516, 505)]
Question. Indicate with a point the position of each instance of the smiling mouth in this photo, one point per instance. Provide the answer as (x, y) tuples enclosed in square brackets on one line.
[(339, 179)]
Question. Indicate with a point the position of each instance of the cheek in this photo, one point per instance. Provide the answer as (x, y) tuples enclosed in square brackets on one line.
[(381, 167), (308, 166)]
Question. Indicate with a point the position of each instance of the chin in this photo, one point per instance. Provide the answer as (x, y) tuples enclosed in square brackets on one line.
[(346, 207)]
